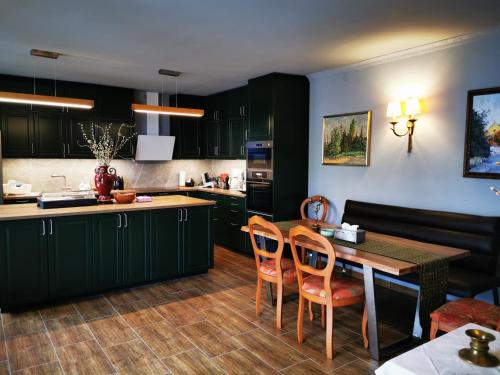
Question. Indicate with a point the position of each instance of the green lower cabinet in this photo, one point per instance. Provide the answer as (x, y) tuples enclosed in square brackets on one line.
[(70, 255), (23, 263), (135, 247), (165, 243), (108, 252), (197, 238)]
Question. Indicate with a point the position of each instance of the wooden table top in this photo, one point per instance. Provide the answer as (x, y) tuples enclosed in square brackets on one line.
[(378, 262)]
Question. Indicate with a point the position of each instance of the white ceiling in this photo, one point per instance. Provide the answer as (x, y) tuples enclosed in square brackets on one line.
[(220, 44)]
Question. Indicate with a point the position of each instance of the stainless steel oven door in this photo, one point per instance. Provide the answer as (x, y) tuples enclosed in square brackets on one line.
[(260, 196)]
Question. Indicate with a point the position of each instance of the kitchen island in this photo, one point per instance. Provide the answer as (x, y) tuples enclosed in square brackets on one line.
[(53, 254)]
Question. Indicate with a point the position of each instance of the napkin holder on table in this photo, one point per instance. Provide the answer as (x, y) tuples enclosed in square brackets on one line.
[(350, 233)]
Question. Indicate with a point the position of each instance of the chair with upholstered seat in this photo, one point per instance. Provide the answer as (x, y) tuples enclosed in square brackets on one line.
[(322, 287), (312, 200), (274, 269), (458, 313)]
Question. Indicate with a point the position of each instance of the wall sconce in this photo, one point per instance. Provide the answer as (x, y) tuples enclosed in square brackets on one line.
[(394, 111)]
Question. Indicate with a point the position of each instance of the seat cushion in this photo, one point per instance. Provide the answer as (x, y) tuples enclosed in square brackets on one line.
[(342, 287), (268, 267), (457, 313)]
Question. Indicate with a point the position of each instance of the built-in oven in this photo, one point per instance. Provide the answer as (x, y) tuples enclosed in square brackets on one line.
[(260, 196), (260, 160)]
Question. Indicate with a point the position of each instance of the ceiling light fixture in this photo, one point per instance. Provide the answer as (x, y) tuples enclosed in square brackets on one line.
[(166, 110)]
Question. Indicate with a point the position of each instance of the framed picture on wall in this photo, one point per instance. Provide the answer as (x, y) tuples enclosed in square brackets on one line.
[(346, 139), (482, 134)]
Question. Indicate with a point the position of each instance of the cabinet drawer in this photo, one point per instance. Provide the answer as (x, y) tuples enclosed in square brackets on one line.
[(235, 203)]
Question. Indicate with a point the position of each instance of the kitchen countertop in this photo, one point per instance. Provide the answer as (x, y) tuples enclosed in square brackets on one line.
[(144, 190), (31, 211)]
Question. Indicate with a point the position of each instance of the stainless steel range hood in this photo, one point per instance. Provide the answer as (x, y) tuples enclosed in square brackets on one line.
[(152, 146)]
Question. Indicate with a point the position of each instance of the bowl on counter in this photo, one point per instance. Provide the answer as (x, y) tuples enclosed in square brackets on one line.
[(124, 197)]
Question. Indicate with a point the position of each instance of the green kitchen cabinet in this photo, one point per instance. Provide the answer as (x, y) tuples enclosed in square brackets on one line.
[(197, 239), (74, 136), (260, 103), (18, 133), (117, 131), (23, 262), (166, 230), (108, 251), (135, 247), (212, 139), (49, 135), (70, 255), (238, 128)]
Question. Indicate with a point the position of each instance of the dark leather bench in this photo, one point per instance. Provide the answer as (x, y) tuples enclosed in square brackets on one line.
[(478, 234)]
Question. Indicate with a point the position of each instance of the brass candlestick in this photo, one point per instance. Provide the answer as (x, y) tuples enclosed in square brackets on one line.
[(478, 353)]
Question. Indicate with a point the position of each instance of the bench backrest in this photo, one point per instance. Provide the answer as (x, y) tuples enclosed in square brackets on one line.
[(479, 234)]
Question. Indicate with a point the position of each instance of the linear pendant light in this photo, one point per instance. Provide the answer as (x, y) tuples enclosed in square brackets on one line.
[(54, 101), (164, 110)]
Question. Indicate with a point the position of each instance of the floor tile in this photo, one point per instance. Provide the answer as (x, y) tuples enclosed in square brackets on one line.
[(23, 323), (4, 368), (179, 313), (68, 330), (111, 331), (357, 367), (135, 358), (84, 358), (269, 349), (3, 349), (307, 367), (197, 299), (94, 308), (30, 350), (240, 362), (210, 339), (51, 368), (164, 339), (121, 297), (154, 294), (234, 300), (138, 313), (228, 321), (192, 362), (58, 311)]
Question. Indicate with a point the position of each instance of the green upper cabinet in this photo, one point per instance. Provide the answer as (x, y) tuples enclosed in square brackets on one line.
[(165, 243), (237, 127), (260, 111), (18, 133), (197, 238), (49, 135), (136, 239), (118, 130), (107, 251), (212, 139), (70, 255), (74, 136), (224, 146), (23, 262)]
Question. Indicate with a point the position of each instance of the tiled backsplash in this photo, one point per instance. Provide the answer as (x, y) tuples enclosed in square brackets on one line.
[(136, 174)]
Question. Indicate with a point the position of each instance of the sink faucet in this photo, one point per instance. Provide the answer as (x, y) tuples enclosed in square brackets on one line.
[(65, 187)]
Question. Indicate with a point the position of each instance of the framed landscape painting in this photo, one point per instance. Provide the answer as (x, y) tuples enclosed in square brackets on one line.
[(346, 139), (482, 134)]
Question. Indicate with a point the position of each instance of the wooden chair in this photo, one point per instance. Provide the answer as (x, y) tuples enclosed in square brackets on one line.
[(275, 269), (457, 313), (319, 286)]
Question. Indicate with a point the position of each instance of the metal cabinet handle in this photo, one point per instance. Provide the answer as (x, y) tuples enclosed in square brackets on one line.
[(180, 211), (64, 150), (234, 224), (32, 148), (51, 228), (234, 211), (69, 150), (126, 220), (43, 228), (246, 134), (186, 211), (119, 220), (199, 150), (132, 146)]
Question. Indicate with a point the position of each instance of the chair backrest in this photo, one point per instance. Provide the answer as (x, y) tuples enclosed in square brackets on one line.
[(315, 199), (321, 245), (254, 223)]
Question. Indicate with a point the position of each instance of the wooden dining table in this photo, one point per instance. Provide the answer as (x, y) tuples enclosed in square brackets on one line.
[(371, 263)]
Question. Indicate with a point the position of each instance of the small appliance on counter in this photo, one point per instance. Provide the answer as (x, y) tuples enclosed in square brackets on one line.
[(237, 180), (16, 187), (182, 178), (67, 199), (207, 181), (189, 182)]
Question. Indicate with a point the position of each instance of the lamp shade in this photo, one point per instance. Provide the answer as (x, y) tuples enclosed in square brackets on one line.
[(412, 107), (394, 109)]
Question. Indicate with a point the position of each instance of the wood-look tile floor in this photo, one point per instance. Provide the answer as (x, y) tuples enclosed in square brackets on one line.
[(203, 324)]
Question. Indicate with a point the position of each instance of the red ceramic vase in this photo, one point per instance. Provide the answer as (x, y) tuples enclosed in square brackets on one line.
[(104, 180)]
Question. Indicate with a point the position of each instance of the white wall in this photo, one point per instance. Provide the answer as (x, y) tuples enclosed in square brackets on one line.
[(431, 176)]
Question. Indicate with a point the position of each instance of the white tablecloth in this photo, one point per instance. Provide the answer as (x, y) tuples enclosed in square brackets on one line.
[(440, 356)]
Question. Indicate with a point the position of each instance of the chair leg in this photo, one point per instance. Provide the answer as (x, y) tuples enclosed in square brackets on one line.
[(311, 313), (495, 296), (323, 316), (329, 332), (300, 318), (434, 329), (279, 305), (257, 296), (364, 326)]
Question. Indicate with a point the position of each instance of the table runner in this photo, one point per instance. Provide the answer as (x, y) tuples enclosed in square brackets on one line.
[(433, 270)]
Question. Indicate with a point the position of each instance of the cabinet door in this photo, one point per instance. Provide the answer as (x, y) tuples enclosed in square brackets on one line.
[(117, 131), (212, 143), (23, 258), (197, 242), (49, 137), (75, 139), (165, 243), (70, 256), (224, 150), (238, 144), (18, 133), (260, 109), (108, 251), (135, 247), (190, 139)]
